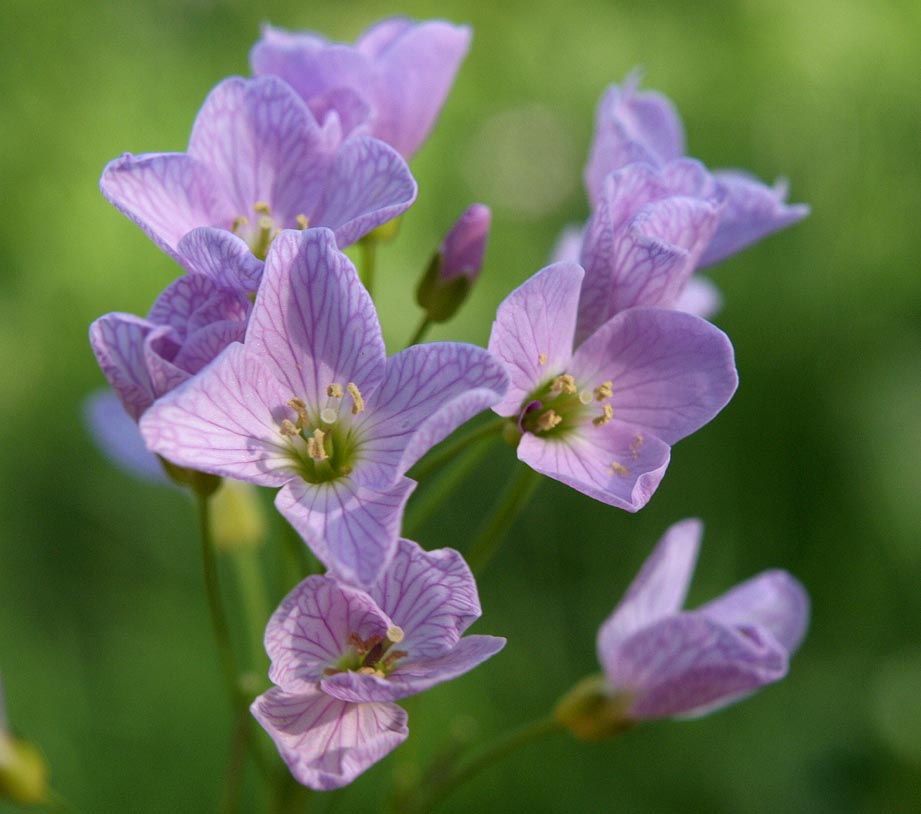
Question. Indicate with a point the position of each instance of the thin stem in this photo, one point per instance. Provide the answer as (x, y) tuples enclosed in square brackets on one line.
[(368, 257), (512, 502), (292, 797), (424, 325), (254, 601), (236, 764), (426, 467)]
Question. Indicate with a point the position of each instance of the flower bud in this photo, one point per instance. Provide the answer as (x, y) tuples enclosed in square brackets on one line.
[(592, 712), (238, 519), (456, 265), (23, 771)]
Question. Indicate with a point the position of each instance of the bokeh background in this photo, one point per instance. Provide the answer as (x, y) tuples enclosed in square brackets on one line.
[(105, 647)]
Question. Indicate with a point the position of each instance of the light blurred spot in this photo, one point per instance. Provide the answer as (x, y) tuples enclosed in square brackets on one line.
[(895, 708), (522, 160)]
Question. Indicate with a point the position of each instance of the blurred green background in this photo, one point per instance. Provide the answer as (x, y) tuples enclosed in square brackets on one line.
[(105, 647)]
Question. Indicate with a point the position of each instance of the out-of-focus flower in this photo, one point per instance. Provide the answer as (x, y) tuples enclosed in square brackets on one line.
[(118, 436), (23, 769), (257, 162), (601, 416), (342, 656), (456, 265), (310, 403), (660, 661), (391, 84)]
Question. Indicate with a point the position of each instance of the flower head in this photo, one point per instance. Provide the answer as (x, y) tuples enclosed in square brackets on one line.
[(601, 416), (391, 84), (257, 162), (310, 403), (341, 656)]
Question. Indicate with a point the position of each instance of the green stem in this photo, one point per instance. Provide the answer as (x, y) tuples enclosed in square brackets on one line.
[(236, 764), (447, 453), (254, 600), (368, 257), (512, 502), (292, 797), (424, 325)]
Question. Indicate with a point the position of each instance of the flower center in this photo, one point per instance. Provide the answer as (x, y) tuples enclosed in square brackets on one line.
[(560, 405), (371, 656), (262, 229), (323, 444)]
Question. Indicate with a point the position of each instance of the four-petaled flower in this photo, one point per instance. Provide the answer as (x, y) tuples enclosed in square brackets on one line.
[(391, 84), (310, 403), (600, 417), (341, 657), (257, 162)]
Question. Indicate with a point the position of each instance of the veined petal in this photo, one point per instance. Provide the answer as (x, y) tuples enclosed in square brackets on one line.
[(427, 392), (688, 662), (616, 464), (161, 346), (262, 144), (118, 343), (311, 628), (431, 595), (222, 256), (118, 436), (193, 301), (313, 321), (773, 600), (671, 372), (568, 245), (532, 333), (700, 297), (352, 529), (327, 743), (657, 591), (369, 184), (752, 210), (413, 676), (204, 345), (225, 421), (166, 194), (381, 35)]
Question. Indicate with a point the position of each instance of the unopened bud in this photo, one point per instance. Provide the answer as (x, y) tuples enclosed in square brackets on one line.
[(23, 771), (238, 518), (592, 712)]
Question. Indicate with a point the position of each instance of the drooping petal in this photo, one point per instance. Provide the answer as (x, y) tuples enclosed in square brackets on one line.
[(118, 343), (352, 529), (310, 630), (532, 333), (428, 391), (118, 436), (615, 463), (222, 256), (773, 600), (752, 211), (313, 321), (226, 421), (688, 662), (671, 372), (327, 743), (700, 297), (431, 595), (193, 301), (369, 184), (657, 591), (262, 144), (166, 194), (413, 676)]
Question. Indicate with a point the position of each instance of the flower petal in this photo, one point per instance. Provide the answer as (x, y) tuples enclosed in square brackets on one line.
[(369, 184), (773, 600), (118, 436), (671, 372), (428, 391), (221, 256), (687, 663), (193, 301), (225, 421), (700, 297), (352, 529), (658, 590), (327, 743), (313, 321), (205, 344), (118, 343), (310, 630), (532, 333)]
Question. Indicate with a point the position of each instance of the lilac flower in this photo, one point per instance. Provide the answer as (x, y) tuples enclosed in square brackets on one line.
[(118, 436), (390, 84), (257, 162), (645, 127), (602, 415), (310, 403), (342, 656), (661, 661)]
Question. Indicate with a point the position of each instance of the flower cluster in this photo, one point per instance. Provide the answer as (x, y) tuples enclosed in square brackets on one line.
[(265, 363)]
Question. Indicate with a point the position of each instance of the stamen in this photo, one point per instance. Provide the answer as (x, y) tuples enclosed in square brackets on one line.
[(604, 391), (391, 657), (541, 358), (300, 409), (619, 469), (238, 223), (371, 671), (331, 671), (315, 448), (302, 221), (563, 384), (355, 640), (547, 421), (334, 391), (262, 208), (288, 428), (605, 417), (585, 397), (355, 393), (328, 415)]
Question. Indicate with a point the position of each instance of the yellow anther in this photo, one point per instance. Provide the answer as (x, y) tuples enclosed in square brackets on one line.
[(619, 469), (394, 634), (371, 671), (288, 428), (238, 223), (355, 393), (302, 221), (605, 417), (541, 358), (262, 208), (635, 446), (315, 448), (547, 421), (334, 391), (604, 391), (563, 384), (300, 410)]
